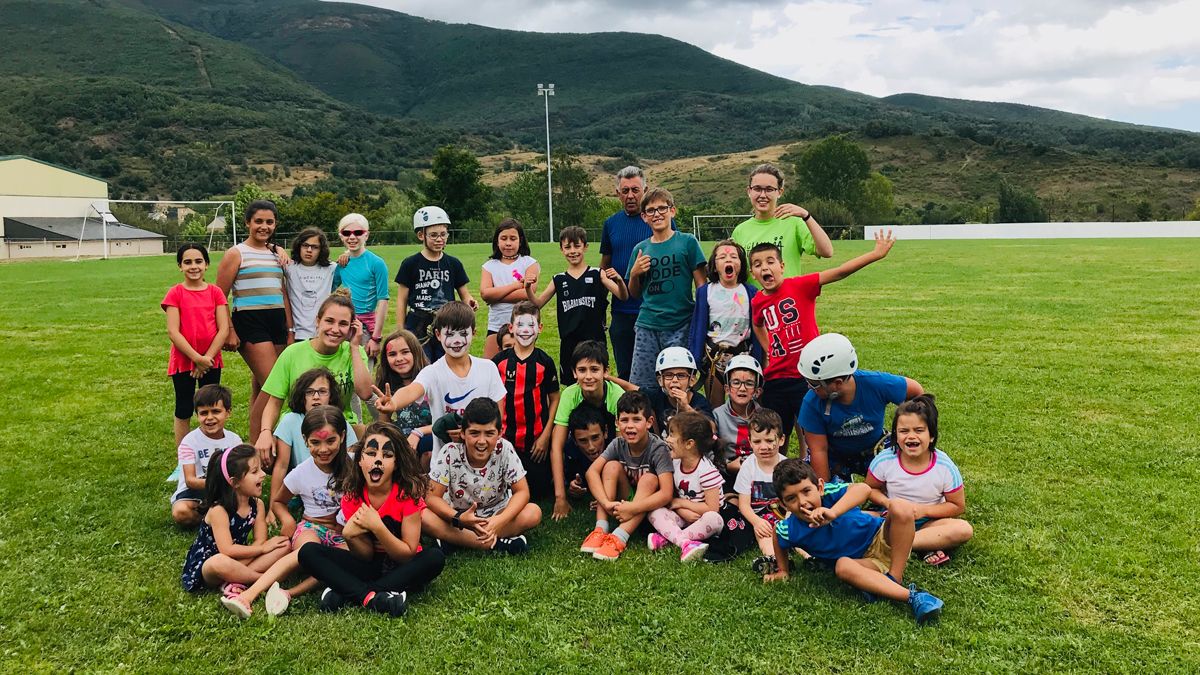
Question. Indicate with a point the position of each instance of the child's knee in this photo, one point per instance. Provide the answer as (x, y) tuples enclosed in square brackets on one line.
[(844, 568), (648, 484), (532, 514), (901, 511), (612, 470), (185, 513), (962, 531)]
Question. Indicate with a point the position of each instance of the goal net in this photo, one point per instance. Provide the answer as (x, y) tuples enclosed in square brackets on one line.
[(120, 226)]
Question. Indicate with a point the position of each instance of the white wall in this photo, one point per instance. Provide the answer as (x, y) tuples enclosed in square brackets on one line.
[(1184, 228), (69, 249)]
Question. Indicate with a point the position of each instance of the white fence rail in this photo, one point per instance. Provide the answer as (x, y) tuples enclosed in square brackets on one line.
[(1106, 230)]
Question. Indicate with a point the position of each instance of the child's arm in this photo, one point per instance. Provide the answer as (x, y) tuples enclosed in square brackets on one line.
[(615, 283), (641, 265), (762, 529), (435, 501), (464, 293), (357, 541), (712, 502), (401, 305), (280, 497), (181, 343), (518, 501), (283, 459), (512, 291), (388, 403), (883, 244), (781, 559), (760, 334), (596, 484), (623, 384), (531, 294), (265, 443), (700, 275), (856, 494), (223, 327), (190, 479), (823, 248), (218, 518), (878, 490), (362, 374), (818, 452), (954, 506), (558, 441), (542, 443)]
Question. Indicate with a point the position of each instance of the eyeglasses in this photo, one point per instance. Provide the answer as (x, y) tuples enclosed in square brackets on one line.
[(309, 393), (671, 377), (630, 190), (743, 384), (353, 233), (311, 247), (764, 189), (437, 235), (657, 210), (817, 384)]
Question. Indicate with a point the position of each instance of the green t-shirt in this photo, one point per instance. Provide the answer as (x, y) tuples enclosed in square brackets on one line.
[(572, 397), (300, 357), (667, 295), (790, 234)]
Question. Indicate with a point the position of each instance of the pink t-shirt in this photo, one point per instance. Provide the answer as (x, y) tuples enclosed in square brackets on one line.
[(197, 322)]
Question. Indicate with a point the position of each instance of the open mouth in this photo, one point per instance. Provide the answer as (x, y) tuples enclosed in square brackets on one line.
[(768, 278), (729, 270), (375, 475)]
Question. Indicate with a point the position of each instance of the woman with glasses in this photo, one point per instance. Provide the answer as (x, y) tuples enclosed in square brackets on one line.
[(792, 228)]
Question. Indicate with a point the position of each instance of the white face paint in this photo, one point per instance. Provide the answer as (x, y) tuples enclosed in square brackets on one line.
[(525, 330), (456, 342)]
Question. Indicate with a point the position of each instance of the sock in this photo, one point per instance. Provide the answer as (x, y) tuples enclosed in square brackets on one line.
[(622, 535), (602, 525)]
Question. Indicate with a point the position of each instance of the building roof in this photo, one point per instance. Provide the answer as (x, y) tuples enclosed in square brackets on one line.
[(68, 229), (7, 158)]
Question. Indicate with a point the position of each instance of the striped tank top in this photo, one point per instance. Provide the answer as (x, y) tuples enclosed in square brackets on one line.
[(259, 281)]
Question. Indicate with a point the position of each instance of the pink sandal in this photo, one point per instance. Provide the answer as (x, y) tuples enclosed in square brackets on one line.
[(232, 590), (936, 558)]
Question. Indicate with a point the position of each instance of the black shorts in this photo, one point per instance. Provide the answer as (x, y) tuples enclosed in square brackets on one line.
[(185, 391), (261, 325), (784, 396)]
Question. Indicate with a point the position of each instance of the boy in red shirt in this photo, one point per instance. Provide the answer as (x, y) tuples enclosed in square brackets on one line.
[(785, 319)]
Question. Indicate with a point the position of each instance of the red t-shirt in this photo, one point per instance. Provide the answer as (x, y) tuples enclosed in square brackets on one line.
[(197, 322), (392, 512), (790, 317)]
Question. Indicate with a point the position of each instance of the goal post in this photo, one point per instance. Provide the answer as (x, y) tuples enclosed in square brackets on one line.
[(200, 221)]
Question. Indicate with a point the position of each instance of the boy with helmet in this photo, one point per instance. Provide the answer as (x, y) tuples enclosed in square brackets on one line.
[(743, 384), (842, 415), (677, 375), (429, 278)]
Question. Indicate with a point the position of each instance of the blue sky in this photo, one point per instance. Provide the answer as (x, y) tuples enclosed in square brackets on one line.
[(1130, 61)]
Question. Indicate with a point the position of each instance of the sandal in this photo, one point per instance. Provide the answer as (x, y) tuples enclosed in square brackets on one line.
[(277, 600), (230, 590), (936, 558), (235, 606)]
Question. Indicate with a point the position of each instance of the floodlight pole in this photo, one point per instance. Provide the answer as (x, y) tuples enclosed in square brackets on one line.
[(547, 92)]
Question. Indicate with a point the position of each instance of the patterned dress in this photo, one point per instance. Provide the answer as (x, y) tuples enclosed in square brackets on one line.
[(205, 546)]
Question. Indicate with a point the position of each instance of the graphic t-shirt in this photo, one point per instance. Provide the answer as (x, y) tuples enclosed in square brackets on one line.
[(300, 357), (929, 486), (311, 485), (366, 275), (667, 296), (790, 317), (582, 303), (198, 449), (756, 482), (500, 313), (448, 392), (620, 233), (692, 484), (288, 431), (854, 429), (656, 458), (307, 288), (431, 283), (197, 323), (733, 430), (490, 487), (728, 315), (528, 384), (394, 509), (849, 535), (790, 234)]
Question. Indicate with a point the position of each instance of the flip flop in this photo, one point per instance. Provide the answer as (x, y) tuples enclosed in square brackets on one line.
[(277, 600), (235, 607), (936, 558)]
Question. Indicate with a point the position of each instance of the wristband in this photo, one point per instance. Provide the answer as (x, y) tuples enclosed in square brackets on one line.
[(806, 217), (456, 523), (419, 433)]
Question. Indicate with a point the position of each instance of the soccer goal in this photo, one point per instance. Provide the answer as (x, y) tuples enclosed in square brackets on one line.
[(136, 226), (716, 227)]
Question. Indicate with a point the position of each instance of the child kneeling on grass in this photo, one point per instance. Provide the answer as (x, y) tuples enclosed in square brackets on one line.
[(478, 496), (868, 552), (693, 515), (632, 477)]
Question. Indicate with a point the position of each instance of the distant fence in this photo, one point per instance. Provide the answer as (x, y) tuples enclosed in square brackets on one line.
[(1106, 230)]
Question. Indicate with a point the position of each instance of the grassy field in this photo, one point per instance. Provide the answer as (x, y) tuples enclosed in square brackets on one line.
[(1065, 372)]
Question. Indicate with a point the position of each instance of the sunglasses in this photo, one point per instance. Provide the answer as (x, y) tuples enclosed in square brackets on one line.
[(353, 233), (817, 384)]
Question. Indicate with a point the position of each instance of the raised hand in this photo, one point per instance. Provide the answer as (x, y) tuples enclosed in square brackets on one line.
[(641, 265), (383, 399), (785, 210), (884, 242)]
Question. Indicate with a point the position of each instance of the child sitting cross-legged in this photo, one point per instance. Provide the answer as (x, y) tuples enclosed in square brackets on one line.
[(478, 496), (693, 515), (632, 477), (868, 552), (756, 493)]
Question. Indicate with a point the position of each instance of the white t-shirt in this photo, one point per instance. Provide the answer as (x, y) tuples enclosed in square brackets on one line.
[(691, 485), (311, 485), (728, 315), (198, 449), (307, 288), (930, 486), (757, 483), (490, 487), (288, 431), (448, 392), (502, 273)]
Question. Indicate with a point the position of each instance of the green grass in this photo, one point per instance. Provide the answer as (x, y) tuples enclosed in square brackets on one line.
[(1065, 373)]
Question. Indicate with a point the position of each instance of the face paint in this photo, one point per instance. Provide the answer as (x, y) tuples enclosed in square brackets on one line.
[(321, 434), (525, 330), (456, 342)]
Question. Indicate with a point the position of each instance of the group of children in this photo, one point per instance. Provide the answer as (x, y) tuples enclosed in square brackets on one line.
[(463, 447)]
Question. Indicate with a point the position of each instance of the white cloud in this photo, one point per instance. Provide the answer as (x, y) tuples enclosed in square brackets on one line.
[(1135, 61)]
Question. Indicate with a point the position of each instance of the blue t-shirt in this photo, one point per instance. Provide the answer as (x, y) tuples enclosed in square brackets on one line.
[(855, 428), (367, 278), (667, 295), (288, 431), (621, 232), (848, 536)]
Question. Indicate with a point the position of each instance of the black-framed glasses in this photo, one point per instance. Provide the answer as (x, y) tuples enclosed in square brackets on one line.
[(657, 210), (309, 393), (743, 384), (311, 247), (764, 189), (671, 377)]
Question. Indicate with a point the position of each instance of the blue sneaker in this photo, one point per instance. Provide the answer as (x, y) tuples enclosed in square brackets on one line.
[(869, 597), (926, 606)]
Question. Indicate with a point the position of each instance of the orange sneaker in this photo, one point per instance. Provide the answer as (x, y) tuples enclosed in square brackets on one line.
[(594, 540), (611, 549)]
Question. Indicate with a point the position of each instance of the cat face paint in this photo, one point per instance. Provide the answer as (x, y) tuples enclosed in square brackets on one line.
[(456, 343), (377, 459), (525, 330)]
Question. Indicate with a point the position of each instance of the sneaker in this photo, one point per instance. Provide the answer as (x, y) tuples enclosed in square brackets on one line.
[(389, 602), (512, 545), (447, 547), (926, 606), (594, 541), (234, 604), (655, 541), (611, 549), (331, 600), (764, 565), (693, 551), (277, 600)]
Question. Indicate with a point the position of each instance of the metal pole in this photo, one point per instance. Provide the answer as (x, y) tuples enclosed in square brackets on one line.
[(547, 92)]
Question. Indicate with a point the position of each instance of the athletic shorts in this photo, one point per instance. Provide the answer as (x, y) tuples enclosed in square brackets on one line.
[(327, 536), (879, 553), (261, 325), (189, 495)]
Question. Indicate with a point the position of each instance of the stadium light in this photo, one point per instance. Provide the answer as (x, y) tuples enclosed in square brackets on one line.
[(546, 92)]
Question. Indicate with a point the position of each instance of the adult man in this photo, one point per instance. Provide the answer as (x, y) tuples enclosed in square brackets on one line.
[(792, 228), (624, 230), (366, 275)]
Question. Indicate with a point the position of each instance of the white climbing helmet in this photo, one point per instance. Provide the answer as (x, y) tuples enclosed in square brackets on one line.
[(744, 362), (675, 357), (828, 356), (430, 215)]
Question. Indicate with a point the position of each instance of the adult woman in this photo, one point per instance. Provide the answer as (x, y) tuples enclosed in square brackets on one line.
[(252, 273)]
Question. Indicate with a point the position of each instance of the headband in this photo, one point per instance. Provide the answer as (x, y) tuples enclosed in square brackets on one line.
[(225, 465)]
